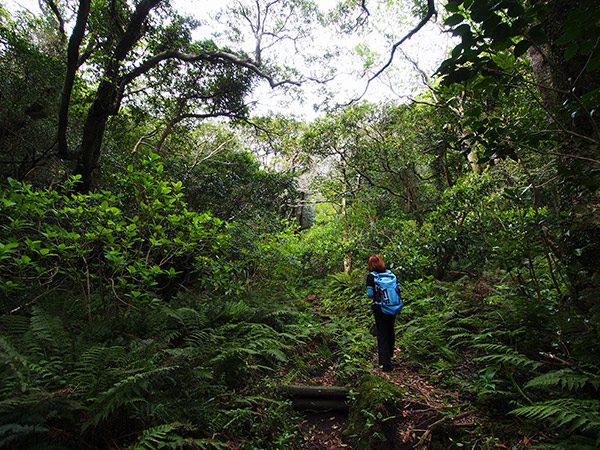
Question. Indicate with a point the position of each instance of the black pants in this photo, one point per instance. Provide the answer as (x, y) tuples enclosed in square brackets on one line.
[(386, 336)]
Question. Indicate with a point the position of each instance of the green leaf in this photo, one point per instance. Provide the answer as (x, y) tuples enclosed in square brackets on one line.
[(456, 51), (451, 6), (521, 48), (538, 35), (501, 33), (594, 64), (461, 30), (490, 24), (454, 19), (459, 75), (515, 10), (480, 11), (572, 34), (585, 48), (8, 248), (570, 51)]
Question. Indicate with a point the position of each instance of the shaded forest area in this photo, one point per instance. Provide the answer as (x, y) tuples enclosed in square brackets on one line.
[(169, 261)]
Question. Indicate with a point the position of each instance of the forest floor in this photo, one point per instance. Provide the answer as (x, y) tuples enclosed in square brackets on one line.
[(429, 414), (418, 419), (420, 411), (324, 430)]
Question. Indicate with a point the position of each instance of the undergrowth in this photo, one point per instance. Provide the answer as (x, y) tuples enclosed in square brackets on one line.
[(515, 360)]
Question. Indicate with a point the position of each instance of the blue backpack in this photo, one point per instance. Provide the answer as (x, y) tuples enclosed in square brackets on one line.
[(387, 292)]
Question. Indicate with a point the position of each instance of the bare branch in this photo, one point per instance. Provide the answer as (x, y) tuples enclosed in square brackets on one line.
[(363, 6), (422, 74), (180, 116), (61, 22), (430, 13)]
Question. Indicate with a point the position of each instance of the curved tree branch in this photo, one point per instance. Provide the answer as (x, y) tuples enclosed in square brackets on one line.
[(213, 57), (61, 22), (430, 13)]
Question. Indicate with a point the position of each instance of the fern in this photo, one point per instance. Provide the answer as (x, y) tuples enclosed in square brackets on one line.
[(12, 434), (192, 319), (48, 329), (580, 414), (278, 319), (14, 325), (125, 392), (248, 410), (506, 355), (162, 436), (90, 372), (345, 292), (343, 284), (17, 367), (197, 338), (566, 379), (22, 375), (459, 336), (237, 310)]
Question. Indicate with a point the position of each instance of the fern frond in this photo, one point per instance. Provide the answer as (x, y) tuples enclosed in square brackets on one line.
[(580, 414), (285, 315), (171, 335), (157, 437), (12, 433), (238, 310), (90, 371), (279, 318), (460, 336), (99, 356), (162, 436), (565, 378), (14, 325), (123, 393), (48, 329), (17, 365), (276, 354), (506, 355), (197, 339), (340, 280), (192, 319)]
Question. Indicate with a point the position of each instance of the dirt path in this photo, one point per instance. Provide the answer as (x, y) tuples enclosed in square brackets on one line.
[(324, 431), (419, 412), (419, 409)]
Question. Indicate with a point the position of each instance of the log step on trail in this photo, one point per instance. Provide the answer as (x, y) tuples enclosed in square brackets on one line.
[(317, 398)]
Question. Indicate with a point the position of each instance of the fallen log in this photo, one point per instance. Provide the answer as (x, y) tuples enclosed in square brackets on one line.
[(317, 398), (304, 391), (320, 404)]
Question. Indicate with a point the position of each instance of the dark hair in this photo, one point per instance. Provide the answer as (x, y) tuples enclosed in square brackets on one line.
[(376, 264)]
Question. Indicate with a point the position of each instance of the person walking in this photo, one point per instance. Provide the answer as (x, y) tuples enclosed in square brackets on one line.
[(384, 319)]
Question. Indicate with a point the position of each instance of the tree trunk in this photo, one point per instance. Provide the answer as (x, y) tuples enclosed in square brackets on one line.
[(105, 104), (108, 96)]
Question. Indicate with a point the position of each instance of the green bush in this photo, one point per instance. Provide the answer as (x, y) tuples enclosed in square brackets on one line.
[(116, 251)]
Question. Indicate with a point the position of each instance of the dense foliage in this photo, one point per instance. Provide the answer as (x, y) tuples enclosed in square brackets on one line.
[(162, 302)]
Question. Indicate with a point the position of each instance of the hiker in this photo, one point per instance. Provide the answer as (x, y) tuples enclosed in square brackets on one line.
[(383, 288)]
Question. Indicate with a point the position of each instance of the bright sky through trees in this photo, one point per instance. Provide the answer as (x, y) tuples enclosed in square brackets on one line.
[(358, 55), (361, 53)]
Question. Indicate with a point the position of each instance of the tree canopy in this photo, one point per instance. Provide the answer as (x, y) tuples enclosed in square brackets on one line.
[(173, 257)]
